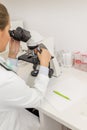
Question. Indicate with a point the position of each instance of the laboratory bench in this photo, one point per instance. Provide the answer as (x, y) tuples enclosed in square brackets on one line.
[(56, 112)]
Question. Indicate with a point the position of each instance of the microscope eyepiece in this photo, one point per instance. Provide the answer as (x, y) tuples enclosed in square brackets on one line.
[(20, 34)]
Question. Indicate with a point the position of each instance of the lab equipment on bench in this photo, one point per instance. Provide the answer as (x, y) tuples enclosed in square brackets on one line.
[(35, 42)]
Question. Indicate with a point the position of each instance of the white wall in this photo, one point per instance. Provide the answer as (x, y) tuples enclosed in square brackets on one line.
[(66, 20)]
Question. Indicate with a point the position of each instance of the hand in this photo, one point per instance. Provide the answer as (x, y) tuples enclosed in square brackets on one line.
[(44, 57), (14, 47)]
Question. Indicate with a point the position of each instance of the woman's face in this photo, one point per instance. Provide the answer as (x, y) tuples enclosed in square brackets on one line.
[(4, 38)]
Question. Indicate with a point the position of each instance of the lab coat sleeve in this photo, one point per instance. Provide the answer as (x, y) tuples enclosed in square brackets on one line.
[(15, 93)]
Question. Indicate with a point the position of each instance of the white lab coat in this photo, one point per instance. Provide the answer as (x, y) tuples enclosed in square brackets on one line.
[(15, 96)]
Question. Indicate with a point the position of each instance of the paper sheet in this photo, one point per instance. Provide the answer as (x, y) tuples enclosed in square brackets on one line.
[(71, 87)]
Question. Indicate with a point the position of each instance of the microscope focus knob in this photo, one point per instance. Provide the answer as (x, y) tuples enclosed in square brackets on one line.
[(51, 71), (34, 73)]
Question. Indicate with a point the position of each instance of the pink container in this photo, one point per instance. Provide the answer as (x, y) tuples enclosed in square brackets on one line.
[(77, 60)]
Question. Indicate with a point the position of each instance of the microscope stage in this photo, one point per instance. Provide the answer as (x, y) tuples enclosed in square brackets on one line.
[(26, 57)]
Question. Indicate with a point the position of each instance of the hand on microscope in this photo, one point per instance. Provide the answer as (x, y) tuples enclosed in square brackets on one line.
[(14, 47), (44, 57)]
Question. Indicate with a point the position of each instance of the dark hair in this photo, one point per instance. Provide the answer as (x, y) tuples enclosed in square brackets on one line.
[(4, 17)]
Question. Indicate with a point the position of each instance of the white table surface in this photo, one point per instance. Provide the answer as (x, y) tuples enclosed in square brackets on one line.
[(74, 116)]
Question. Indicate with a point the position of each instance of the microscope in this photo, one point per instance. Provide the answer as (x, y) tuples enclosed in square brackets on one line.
[(33, 44)]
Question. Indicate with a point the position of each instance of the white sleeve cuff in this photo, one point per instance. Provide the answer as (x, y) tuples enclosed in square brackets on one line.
[(43, 70)]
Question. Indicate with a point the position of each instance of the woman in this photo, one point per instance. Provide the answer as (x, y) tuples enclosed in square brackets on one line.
[(15, 95)]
